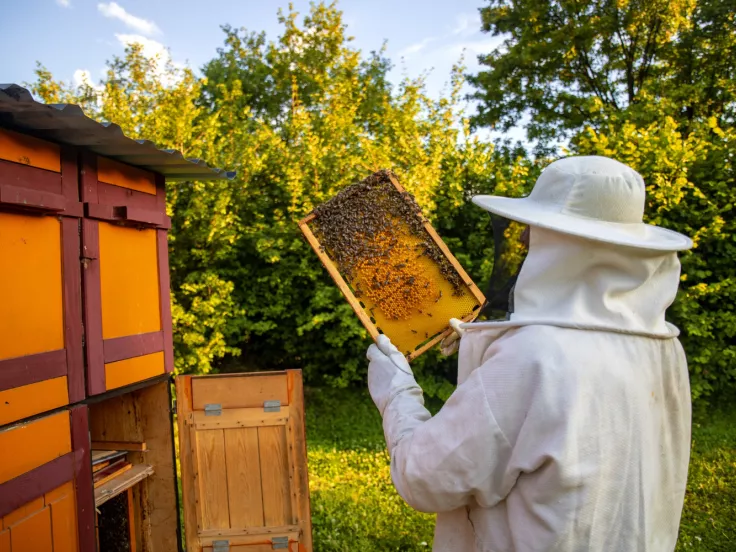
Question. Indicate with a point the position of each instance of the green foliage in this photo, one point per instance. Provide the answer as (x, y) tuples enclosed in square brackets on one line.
[(572, 64), (710, 502)]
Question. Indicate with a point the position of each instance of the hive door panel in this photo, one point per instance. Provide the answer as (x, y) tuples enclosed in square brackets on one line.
[(40, 315), (38, 486), (127, 311), (243, 458)]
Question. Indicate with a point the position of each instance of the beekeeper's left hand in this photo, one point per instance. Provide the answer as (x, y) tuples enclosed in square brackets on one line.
[(388, 372), (451, 343)]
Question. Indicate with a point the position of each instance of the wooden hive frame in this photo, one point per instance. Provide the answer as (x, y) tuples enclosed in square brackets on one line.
[(354, 302)]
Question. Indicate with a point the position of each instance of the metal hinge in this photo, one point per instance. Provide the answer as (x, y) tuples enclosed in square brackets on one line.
[(213, 410), (272, 406), (221, 546), (279, 542)]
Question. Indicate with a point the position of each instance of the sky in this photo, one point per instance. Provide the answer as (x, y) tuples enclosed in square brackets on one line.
[(74, 38)]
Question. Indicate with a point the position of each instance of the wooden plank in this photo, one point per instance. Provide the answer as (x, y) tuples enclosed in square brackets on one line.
[(275, 476), (233, 392), (98, 467), (244, 478), (23, 176), (72, 300), (131, 370), (164, 283), (24, 370), (101, 457), (29, 150), (31, 199), (337, 277), (249, 531), (118, 445), (129, 283), (34, 533), (251, 540), (298, 444), (125, 176), (34, 444), (121, 348), (158, 504), (83, 478), (115, 473), (189, 484), (88, 176), (92, 306), (5, 541), (212, 467), (122, 483), (28, 400), (64, 524), (31, 306), (107, 194), (69, 174), (240, 417)]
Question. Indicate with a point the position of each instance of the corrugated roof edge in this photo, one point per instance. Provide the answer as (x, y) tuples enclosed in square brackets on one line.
[(67, 124)]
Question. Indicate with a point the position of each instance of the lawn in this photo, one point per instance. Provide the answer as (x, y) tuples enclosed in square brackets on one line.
[(354, 506)]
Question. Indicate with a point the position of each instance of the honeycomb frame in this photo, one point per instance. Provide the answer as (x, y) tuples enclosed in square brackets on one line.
[(361, 310)]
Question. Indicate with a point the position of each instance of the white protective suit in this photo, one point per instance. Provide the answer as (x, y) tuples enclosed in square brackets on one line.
[(570, 427)]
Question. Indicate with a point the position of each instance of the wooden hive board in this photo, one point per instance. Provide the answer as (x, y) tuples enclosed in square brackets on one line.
[(426, 319)]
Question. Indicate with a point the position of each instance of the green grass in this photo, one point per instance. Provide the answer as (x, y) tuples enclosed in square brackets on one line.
[(354, 506)]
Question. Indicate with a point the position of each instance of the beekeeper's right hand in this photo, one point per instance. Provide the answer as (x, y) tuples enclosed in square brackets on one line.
[(451, 343)]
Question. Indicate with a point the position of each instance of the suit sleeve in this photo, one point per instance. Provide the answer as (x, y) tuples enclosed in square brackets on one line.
[(441, 463)]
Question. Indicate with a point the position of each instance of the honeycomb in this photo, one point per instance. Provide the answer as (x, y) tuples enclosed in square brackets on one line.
[(390, 261)]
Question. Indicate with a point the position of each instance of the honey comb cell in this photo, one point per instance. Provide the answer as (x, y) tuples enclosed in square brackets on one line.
[(390, 264)]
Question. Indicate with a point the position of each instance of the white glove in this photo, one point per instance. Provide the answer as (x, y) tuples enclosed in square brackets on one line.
[(389, 373), (451, 343)]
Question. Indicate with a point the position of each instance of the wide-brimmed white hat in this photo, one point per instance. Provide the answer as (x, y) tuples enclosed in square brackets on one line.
[(592, 197)]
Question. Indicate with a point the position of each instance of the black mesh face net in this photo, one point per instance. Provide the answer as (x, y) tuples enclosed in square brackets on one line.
[(510, 247)]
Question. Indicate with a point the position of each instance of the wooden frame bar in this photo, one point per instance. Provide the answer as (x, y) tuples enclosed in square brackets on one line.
[(83, 478), (93, 307), (365, 319), (25, 370), (121, 348)]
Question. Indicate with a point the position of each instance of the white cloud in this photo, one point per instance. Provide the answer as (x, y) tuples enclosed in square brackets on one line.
[(64, 3), (114, 10), (467, 24), (151, 48)]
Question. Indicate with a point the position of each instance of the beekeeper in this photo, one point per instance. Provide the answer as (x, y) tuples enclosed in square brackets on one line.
[(570, 426)]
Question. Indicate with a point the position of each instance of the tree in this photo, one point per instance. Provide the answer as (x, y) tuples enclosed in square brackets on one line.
[(652, 84), (572, 64)]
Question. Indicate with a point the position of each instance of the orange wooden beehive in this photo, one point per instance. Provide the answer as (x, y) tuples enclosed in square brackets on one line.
[(86, 362)]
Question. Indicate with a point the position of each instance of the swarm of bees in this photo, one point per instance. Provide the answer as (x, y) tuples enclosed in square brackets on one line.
[(375, 234)]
